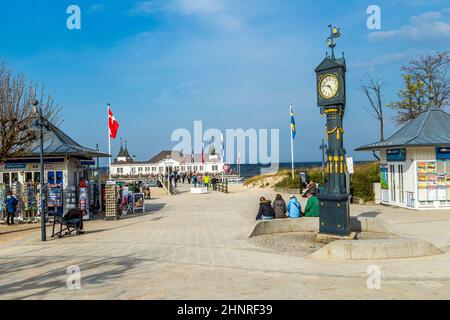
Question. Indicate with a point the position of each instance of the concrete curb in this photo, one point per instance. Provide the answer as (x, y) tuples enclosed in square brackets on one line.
[(379, 249), (359, 224), (399, 248), (284, 226)]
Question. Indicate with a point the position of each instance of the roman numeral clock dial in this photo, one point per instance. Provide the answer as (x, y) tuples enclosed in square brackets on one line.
[(329, 86)]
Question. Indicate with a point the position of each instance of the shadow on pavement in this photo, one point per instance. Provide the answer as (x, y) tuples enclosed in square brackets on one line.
[(42, 283)]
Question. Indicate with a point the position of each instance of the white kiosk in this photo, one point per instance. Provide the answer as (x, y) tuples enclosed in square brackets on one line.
[(415, 163)]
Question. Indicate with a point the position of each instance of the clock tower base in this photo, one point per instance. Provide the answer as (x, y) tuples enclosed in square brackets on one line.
[(334, 214)]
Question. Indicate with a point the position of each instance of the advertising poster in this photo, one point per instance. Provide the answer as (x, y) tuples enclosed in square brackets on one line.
[(138, 202), (384, 178), (422, 167), (54, 196)]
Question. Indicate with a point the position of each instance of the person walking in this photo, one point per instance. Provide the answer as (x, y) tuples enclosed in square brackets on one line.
[(206, 181), (11, 208), (265, 210), (279, 206), (294, 208)]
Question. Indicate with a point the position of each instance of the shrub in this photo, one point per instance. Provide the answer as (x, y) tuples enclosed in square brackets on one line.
[(289, 183), (363, 179)]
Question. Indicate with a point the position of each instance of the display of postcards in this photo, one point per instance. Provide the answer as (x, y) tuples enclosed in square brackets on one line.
[(54, 196), (432, 180), (422, 178), (2, 196), (30, 197), (422, 185), (111, 194), (441, 181), (16, 190), (440, 167), (432, 194), (38, 199), (92, 187), (70, 198), (442, 194), (431, 167), (448, 180), (422, 167)]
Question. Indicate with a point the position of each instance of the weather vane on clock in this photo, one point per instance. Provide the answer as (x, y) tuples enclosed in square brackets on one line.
[(331, 40)]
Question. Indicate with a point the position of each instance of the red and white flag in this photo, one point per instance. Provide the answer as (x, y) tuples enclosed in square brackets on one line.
[(112, 124)]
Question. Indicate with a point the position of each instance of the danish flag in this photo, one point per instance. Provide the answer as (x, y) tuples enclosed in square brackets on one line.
[(112, 123)]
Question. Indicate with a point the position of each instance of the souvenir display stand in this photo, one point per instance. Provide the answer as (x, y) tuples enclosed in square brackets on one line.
[(2, 198), (70, 198), (30, 203), (55, 200), (111, 194), (433, 181), (83, 200)]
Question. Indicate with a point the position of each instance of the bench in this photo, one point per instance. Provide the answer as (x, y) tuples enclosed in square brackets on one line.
[(66, 226)]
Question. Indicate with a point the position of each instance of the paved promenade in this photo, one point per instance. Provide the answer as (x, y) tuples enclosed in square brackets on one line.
[(196, 247)]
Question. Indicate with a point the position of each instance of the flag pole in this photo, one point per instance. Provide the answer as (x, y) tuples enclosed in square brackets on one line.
[(292, 144), (109, 147)]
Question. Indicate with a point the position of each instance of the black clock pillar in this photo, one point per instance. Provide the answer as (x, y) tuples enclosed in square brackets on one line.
[(334, 201)]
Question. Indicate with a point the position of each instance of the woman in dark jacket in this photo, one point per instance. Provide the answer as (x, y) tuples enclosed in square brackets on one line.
[(265, 210), (279, 206)]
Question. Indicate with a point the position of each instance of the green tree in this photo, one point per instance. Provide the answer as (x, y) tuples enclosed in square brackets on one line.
[(412, 100), (427, 83)]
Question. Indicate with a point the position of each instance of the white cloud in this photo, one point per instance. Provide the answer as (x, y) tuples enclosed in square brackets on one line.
[(212, 11), (96, 8), (428, 26), (381, 60)]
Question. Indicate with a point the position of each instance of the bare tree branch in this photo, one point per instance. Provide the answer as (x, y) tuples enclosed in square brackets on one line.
[(17, 112), (373, 91)]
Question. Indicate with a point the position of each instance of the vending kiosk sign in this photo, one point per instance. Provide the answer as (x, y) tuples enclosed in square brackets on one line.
[(396, 155), (443, 153)]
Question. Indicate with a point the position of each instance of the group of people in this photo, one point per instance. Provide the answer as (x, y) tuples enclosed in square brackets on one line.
[(194, 178), (11, 202), (293, 209)]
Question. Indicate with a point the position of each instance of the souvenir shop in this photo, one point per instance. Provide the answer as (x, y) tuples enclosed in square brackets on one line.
[(415, 163), (67, 178)]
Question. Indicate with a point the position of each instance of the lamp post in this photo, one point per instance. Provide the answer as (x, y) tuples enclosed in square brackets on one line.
[(40, 123)]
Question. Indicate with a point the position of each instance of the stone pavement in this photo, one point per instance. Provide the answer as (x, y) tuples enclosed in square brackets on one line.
[(196, 247)]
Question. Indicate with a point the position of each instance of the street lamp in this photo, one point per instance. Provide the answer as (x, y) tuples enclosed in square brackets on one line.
[(39, 124)]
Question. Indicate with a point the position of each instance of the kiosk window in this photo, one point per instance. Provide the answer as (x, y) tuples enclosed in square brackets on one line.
[(29, 176), (6, 178), (14, 177)]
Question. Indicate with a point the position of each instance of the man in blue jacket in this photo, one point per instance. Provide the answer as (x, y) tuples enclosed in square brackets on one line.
[(11, 207), (294, 208)]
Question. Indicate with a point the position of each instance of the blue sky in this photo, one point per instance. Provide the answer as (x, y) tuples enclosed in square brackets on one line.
[(231, 63)]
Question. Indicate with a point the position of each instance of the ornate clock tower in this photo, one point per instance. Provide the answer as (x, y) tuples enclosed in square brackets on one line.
[(331, 90)]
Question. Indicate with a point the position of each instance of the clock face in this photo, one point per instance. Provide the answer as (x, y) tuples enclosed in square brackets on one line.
[(329, 86)]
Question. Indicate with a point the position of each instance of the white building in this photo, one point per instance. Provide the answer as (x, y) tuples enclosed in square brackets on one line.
[(65, 161), (164, 162), (415, 163)]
